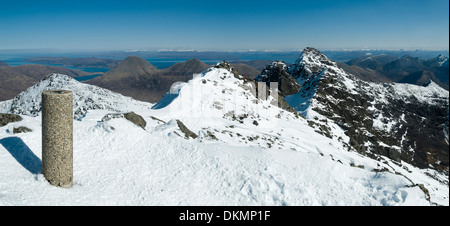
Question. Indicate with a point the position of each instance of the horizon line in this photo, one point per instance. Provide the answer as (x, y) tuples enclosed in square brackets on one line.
[(222, 50)]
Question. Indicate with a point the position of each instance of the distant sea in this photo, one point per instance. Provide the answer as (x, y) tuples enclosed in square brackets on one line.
[(159, 63)]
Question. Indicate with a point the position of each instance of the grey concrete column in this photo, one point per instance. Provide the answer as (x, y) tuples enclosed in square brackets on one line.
[(57, 137)]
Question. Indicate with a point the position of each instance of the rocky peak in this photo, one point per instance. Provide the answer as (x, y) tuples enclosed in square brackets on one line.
[(376, 119), (276, 72), (311, 64), (227, 66)]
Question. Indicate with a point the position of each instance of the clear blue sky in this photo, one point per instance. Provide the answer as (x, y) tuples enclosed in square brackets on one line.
[(224, 25)]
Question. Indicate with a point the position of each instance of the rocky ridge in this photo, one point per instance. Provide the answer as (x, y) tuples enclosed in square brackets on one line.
[(374, 119)]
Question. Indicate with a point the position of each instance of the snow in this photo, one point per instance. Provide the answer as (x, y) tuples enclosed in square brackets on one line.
[(431, 92), (131, 166), (85, 97), (279, 160)]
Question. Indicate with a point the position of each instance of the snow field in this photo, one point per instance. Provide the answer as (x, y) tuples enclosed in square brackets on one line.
[(130, 166)]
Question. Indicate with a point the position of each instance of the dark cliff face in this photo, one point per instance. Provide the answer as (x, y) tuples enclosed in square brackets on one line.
[(401, 121), (276, 72)]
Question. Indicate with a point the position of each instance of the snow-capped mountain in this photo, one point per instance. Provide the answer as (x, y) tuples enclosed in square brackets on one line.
[(401, 121), (85, 97), (218, 139)]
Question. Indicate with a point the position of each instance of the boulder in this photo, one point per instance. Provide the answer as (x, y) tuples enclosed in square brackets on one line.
[(22, 129), (187, 133), (7, 118), (136, 119), (130, 116)]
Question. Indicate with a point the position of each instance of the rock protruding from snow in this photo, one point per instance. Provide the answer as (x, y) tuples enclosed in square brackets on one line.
[(227, 66), (187, 133), (85, 97), (130, 116), (8, 118), (276, 72)]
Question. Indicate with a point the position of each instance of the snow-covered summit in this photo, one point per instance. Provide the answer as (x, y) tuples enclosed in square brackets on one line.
[(220, 93), (311, 63), (85, 97)]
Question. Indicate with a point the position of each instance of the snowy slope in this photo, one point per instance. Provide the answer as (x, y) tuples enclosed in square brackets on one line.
[(85, 97), (247, 152)]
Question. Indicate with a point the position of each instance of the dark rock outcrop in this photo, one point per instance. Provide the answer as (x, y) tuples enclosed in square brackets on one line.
[(187, 133), (8, 118), (276, 72), (130, 116), (227, 66), (22, 129)]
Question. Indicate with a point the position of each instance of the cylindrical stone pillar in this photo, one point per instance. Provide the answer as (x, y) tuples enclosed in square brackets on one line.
[(57, 137)]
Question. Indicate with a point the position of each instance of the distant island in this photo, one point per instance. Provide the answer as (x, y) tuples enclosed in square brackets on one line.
[(78, 62)]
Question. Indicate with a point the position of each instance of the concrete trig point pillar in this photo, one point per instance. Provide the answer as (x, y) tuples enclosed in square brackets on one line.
[(57, 137)]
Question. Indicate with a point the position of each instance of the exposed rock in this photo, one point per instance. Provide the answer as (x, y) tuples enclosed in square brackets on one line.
[(130, 116), (7, 118), (187, 133), (227, 66), (276, 72), (136, 119), (157, 119), (22, 129)]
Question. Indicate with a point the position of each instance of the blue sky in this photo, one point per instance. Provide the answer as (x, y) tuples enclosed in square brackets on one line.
[(224, 25)]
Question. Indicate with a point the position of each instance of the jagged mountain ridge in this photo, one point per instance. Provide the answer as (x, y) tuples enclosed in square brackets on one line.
[(373, 118)]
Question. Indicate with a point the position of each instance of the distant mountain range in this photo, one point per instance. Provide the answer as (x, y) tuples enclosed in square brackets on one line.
[(406, 69), (138, 78)]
